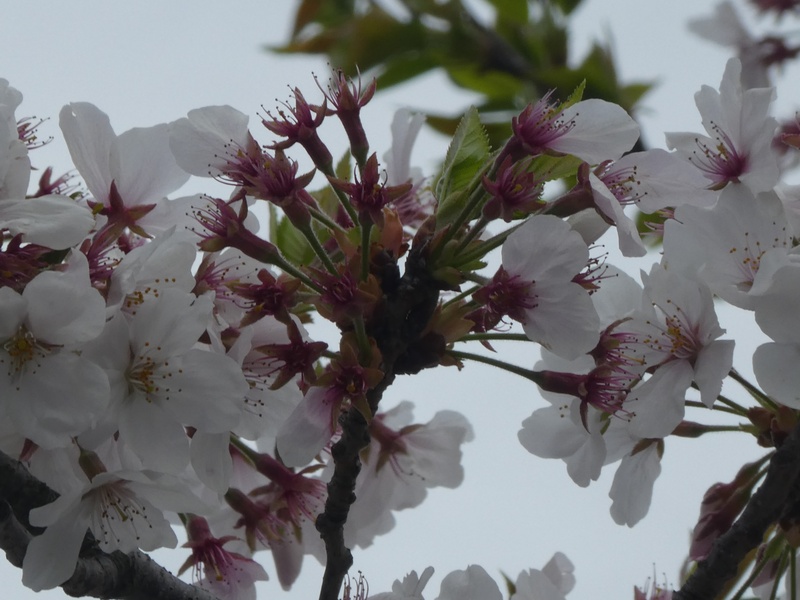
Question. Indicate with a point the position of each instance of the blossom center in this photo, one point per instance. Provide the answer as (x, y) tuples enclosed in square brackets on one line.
[(24, 351), (120, 517), (721, 163)]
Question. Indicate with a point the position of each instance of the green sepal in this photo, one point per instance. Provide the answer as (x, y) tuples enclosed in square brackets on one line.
[(289, 240), (550, 168)]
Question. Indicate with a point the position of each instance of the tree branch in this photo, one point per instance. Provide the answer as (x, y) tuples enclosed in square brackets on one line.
[(398, 327), (764, 509), (133, 576)]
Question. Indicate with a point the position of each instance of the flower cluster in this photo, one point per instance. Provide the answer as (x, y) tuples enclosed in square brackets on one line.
[(163, 350), (160, 384)]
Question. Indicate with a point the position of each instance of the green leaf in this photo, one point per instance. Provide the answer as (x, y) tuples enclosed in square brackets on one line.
[(568, 5), (466, 159), (306, 14), (576, 95), (493, 84), (632, 93), (289, 240), (399, 69), (511, 10)]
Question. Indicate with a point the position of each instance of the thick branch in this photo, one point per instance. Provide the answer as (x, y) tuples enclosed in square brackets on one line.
[(341, 494), (133, 576), (397, 327), (763, 510)]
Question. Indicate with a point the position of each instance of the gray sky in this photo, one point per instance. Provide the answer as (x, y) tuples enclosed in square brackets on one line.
[(149, 62)]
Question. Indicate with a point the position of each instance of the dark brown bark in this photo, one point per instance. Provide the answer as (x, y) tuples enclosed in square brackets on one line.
[(766, 506), (397, 327)]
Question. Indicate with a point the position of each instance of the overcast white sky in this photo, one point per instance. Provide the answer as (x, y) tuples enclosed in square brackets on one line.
[(147, 62)]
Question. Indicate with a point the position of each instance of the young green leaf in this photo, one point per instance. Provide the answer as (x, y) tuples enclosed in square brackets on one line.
[(466, 157)]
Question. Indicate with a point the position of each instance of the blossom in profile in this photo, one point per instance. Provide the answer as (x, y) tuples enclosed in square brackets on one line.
[(553, 582), (342, 386), (725, 27), (48, 219), (207, 139), (410, 588), (593, 130), (540, 260), (403, 461), (228, 575)]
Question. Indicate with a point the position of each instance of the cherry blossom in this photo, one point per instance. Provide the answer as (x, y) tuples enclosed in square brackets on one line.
[(228, 575), (734, 247), (124, 511), (402, 462), (50, 390), (738, 147), (50, 220), (129, 174), (208, 138), (410, 588), (679, 338), (725, 27), (553, 582), (161, 382), (593, 130), (540, 260)]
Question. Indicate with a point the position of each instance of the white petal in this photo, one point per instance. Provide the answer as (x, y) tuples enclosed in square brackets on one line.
[(632, 489), (89, 137), (712, 365), (51, 557), (630, 244), (154, 435), (564, 320), (776, 311), (288, 557), (143, 165), (203, 389), (15, 167), (13, 309), (54, 221), (550, 433), (171, 324), (535, 585), (775, 367), (307, 429), (559, 570), (602, 131), (657, 406), (472, 584), (211, 459), (199, 141), (61, 399), (544, 247), (63, 307)]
